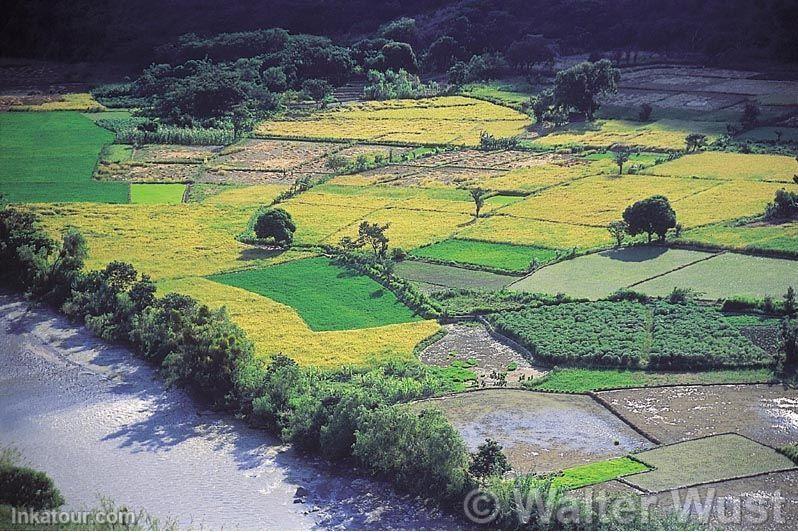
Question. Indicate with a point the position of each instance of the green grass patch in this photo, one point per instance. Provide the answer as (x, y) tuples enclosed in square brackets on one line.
[(327, 297), (791, 452), (450, 276), (167, 193), (598, 472), (582, 380), (504, 256), (50, 157), (776, 237), (116, 153), (712, 459)]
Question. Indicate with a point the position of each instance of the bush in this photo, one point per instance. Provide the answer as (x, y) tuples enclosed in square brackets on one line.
[(391, 85), (23, 487), (489, 460), (275, 225), (783, 207)]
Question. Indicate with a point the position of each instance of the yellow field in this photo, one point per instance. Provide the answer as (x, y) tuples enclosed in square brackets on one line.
[(81, 101), (409, 228), (163, 241), (722, 165), (546, 175), (662, 134), (277, 328), (514, 230), (445, 120), (247, 196), (726, 202), (599, 200), (315, 223)]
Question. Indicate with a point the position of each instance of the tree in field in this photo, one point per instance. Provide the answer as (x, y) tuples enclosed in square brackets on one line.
[(478, 195), (788, 344), (618, 230), (620, 154), (489, 460), (695, 141), (750, 115), (275, 224), (580, 86), (789, 301), (783, 207), (653, 216), (373, 234)]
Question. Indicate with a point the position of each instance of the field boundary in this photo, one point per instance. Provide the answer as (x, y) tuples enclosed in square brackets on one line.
[(683, 266), (606, 405)]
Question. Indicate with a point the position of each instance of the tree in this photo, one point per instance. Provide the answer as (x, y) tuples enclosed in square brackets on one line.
[(653, 216), (789, 301), (442, 54), (618, 230), (274, 79), (401, 30), (695, 141), (788, 343), (645, 112), (489, 460), (373, 234), (620, 154), (783, 207), (397, 56), (478, 195), (275, 224), (580, 86), (530, 51), (317, 89), (750, 115)]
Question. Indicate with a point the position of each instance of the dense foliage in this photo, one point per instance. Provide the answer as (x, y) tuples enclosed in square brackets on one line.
[(652, 216), (783, 207), (275, 225), (23, 487), (460, 302), (631, 334)]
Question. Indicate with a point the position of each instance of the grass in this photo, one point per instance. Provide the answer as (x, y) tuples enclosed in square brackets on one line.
[(450, 276), (79, 101), (666, 134), (599, 200), (161, 240), (158, 194), (582, 380), (446, 120), (704, 460), (598, 472), (277, 328), (722, 165), (50, 157), (777, 237), (600, 274), (512, 94), (327, 297), (729, 274), (491, 254)]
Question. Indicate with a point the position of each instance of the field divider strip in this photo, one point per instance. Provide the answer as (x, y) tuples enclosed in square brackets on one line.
[(683, 266), (605, 404)]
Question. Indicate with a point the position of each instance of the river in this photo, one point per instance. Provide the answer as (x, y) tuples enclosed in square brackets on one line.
[(100, 422)]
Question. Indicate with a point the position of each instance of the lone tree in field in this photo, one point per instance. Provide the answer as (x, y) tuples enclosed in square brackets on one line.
[(580, 86), (788, 344), (783, 207), (695, 141), (277, 225), (620, 154), (653, 216), (618, 230), (478, 195), (373, 234)]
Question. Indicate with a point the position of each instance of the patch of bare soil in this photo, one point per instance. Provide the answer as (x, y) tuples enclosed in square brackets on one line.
[(249, 177), (765, 413), (540, 432), (256, 154), (490, 357), (169, 153)]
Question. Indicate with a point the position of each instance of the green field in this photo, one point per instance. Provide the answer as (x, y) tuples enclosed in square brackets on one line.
[(600, 274), (712, 459), (777, 237), (327, 297), (598, 472), (450, 276), (50, 157), (167, 193), (729, 274), (491, 254), (581, 380)]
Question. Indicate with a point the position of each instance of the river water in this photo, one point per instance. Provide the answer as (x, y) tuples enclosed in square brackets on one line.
[(100, 422)]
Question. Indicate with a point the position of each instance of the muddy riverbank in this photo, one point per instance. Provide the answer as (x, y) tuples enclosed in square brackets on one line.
[(101, 422)]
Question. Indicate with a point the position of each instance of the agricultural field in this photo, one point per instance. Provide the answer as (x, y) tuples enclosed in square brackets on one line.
[(50, 157), (162, 193), (711, 459), (445, 120), (81, 101), (326, 296), (289, 334), (754, 236), (729, 166), (532, 232), (441, 276), (630, 334), (490, 254)]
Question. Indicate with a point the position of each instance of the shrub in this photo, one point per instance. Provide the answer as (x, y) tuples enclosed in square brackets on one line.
[(489, 460), (275, 225), (784, 206), (23, 487)]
